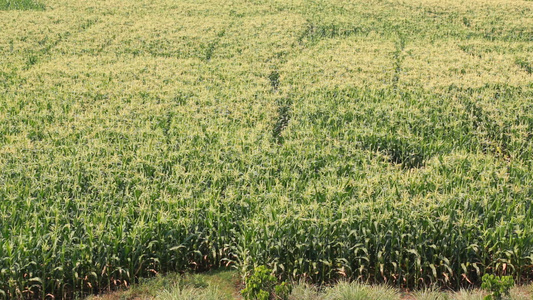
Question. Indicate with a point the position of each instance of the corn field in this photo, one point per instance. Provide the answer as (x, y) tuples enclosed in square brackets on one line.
[(387, 141)]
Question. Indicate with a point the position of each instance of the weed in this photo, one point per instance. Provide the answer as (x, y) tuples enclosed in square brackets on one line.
[(262, 285), (498, 286)]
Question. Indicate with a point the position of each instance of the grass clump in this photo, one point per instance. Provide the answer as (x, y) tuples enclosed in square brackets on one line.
[(357, 291), (219, 285), (21, 5), (185, 293)]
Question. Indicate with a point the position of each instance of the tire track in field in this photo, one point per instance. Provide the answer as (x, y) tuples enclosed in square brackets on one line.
[(104, 46), (284, 104), (400, 151), (314, 32), (211, 47), (497, 137), (398, 58), (310, 35), (39, 56)]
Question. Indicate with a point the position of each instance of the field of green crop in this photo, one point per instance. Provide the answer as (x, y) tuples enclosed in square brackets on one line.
[(389, 141)]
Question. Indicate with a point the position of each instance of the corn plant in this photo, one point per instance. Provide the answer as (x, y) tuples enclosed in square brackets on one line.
[(325, 140)]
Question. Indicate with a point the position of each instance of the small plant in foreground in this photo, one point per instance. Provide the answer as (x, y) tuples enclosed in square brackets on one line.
[(262, 285), (497, 286)]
